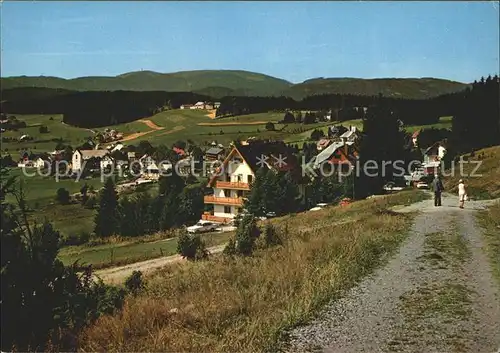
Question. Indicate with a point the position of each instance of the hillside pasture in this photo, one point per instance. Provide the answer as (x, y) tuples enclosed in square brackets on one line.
[(43, 142)]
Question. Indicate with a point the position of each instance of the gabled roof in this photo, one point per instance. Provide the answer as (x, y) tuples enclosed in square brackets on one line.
[(327, 153), (276, 155), (93, 153), (214, 150), (348, 134)]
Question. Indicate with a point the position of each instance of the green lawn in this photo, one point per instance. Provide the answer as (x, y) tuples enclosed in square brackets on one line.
[(43, 142), (444, 123), (119, 254)]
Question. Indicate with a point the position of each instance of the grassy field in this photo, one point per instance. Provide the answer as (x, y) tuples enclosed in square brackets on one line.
[(444, 123), (485, 183), (42, 190), (130, 251), (245, 304), (43, 142)]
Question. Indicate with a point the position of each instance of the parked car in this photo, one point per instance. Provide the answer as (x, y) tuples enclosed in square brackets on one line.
[(203, 226), (391, 187), (422, 185), (319, 206)]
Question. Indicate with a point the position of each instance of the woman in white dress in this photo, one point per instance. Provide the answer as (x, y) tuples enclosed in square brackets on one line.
[(462, 193)]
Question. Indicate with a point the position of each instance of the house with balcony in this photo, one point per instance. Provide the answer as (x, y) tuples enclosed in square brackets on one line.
[(232, 181)]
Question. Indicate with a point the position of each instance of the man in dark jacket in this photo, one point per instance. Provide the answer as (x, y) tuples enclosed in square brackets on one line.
[(438, 188)]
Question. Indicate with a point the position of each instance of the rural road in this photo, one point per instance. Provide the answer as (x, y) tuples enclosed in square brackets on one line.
[(117, 275), (437, 294)]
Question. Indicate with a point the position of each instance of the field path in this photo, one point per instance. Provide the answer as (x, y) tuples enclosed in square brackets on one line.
[(136, 135), (233, 123), (151, 124), (117, 275), (437, 294)]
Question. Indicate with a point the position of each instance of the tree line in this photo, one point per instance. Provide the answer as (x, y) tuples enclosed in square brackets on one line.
[(96, 109)]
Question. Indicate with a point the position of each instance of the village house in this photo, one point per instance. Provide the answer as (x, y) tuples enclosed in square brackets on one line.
[(198, 105), (323, 143), (81, 156), (214, 154), (146, 161), (337, 155), (231, 183), (216, 105), (186, 106), (351, 135), (414, 138), (432, 158)]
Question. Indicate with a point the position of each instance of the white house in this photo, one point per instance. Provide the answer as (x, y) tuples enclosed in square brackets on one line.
[(231, 182), (186, 106), (198, 105), (350, 135), (40, 163), (81, 156)]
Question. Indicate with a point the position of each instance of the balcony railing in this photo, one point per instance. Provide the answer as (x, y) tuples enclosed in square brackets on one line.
[(236, 201), (232, 185), (212, 218)]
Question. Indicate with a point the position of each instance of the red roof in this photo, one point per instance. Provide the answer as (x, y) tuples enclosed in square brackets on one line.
[(179, 151), (415, 134)]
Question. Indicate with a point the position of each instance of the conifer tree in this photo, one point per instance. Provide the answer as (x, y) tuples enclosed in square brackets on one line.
[(107, 217)]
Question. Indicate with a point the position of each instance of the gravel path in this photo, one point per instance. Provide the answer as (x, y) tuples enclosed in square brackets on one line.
[(116, 275), (436, 294)]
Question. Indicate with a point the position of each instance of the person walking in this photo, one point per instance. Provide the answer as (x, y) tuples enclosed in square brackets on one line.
[(462, 193), (438, 188)]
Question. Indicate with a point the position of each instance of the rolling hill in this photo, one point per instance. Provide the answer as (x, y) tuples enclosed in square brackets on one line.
[(416, 88), (185, 81), (222, 83)]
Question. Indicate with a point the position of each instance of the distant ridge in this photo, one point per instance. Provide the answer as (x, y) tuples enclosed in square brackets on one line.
[(221, 83)]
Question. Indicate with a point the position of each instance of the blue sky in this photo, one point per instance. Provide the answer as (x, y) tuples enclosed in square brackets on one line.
[(290, 40)]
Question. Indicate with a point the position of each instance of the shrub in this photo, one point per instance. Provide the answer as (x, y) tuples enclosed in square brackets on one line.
[(191, 247), (134, 283), (270, 126), (91, 202), (246, 234), (62, 196), (270, 237), (76, 239)]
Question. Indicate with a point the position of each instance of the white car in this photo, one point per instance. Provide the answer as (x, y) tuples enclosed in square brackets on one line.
[(319, 206), (422, 185), (390, 186), (203, 226)]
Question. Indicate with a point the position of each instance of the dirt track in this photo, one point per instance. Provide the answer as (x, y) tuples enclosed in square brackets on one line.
[(136, 135), (233, 123), (117, 275), (437, 294)]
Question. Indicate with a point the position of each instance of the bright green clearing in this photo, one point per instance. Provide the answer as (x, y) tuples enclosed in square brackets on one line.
[(120, 254)]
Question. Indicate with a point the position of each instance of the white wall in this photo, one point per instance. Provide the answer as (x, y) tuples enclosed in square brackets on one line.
[(219, 211), (76, 161)]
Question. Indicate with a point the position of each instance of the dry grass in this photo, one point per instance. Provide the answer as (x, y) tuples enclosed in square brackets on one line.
[(486, 186), (245, 304)]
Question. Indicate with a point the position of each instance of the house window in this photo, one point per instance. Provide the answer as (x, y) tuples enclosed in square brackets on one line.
[(227, 209), (240, 193), (250, 178), (227, 193)]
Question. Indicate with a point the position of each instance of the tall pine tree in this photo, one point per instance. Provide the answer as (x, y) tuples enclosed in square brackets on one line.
[(107, 218), (381, 145)]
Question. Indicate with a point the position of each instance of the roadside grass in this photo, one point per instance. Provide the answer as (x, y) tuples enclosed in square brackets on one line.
[(490, 221), (128, 251), (486, 185), (245, 304)]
